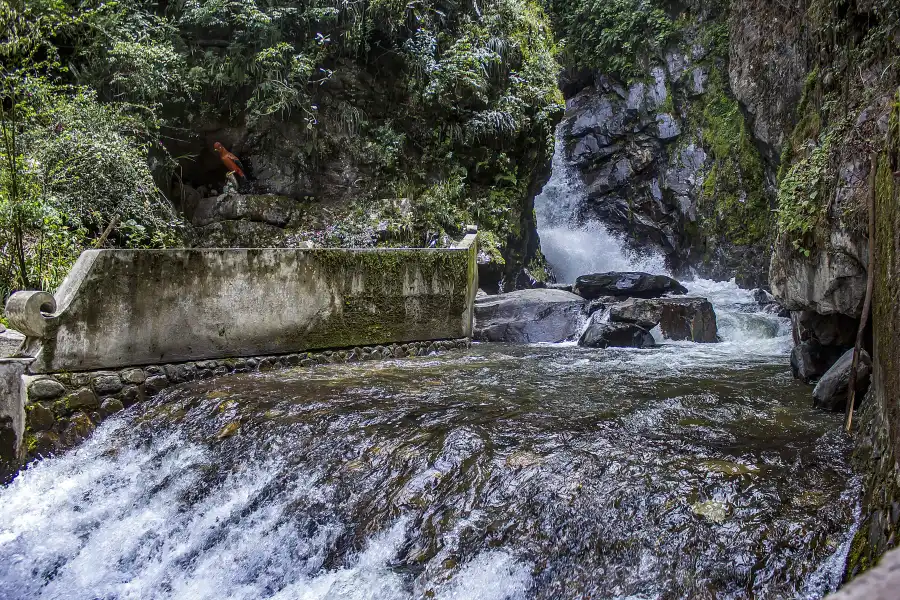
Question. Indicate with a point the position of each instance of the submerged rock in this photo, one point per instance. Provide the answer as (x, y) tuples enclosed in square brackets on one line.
[(766, 302), (761, 296), (628, 284), (717, 512), (600, 334), (831, 391), (529, 316), (691, 319)]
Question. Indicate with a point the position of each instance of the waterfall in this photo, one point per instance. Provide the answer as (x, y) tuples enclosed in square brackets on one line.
[(573, 247)]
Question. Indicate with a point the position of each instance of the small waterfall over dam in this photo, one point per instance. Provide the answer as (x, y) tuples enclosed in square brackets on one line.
[(501, 472)]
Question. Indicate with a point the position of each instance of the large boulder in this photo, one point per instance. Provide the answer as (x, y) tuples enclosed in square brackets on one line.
[(529, 316), (811, 359), (691, 319), (628, 284), (601, 334), (831, 391)]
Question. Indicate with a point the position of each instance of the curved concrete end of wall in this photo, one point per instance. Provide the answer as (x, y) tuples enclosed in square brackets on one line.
[(28, 312)]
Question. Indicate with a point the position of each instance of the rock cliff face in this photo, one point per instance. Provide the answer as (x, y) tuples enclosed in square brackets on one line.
[(402, 124), (667, 159), (767, 69), (816, 128), (817, 82)]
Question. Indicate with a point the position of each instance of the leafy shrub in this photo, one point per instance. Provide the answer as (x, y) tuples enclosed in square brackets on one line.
[(69, 164), (613, 36)]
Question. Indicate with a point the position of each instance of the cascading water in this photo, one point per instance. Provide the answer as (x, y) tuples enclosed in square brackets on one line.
[(497, 473), (575, 248)]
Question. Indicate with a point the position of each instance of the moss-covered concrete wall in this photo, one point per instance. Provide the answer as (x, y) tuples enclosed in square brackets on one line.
[(122, 308)]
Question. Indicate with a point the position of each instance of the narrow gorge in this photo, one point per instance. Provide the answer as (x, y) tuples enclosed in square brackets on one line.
[(503, 300)]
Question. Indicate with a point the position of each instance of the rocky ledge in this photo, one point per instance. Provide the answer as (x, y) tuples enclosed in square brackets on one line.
[(679, 319), (529, 316)]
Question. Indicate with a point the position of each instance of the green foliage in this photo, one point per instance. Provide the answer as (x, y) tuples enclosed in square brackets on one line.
[(490, 245), (615, 36), (444, 100), (853, 51), (802, 193), (733, 191), (843, 43), (69, 165)]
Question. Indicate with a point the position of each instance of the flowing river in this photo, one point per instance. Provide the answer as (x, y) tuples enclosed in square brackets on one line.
[(499, 472)]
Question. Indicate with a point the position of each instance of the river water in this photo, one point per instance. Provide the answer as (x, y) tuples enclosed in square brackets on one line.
[(500, 472)]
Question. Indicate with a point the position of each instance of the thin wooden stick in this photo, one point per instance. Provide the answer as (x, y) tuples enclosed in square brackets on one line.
[(870, 288), (109, 229)]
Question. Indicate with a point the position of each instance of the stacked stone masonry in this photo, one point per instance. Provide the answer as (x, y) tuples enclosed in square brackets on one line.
[(62, 409)]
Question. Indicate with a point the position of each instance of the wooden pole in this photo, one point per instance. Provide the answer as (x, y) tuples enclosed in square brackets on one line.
[(870, 288), (109, 229)]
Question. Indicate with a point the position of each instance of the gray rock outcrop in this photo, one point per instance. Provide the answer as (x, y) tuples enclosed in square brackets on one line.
[(767, 69), (811, 359), (627, 285), (690, 319), (832, 280), (831, 391), (529, 316), (602, 334), (662, 167)]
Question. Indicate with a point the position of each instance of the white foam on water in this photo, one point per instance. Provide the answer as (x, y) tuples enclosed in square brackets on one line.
[(591, 248), (573, 248), (95, 524), (830, 574), (493, 575)]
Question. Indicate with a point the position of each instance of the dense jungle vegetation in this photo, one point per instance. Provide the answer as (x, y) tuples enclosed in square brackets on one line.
[(102, 102), (96, 93)]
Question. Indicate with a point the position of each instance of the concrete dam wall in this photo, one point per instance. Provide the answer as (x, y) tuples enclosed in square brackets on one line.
[(186, 314)]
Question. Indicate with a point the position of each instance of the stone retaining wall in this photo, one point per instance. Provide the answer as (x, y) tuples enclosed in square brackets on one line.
[(64, 408), (94, 346)]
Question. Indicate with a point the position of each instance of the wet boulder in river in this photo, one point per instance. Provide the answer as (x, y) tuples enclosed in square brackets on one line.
[(831, 391), (601, 334), (691, 319), (629, 285), (529, 316)]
